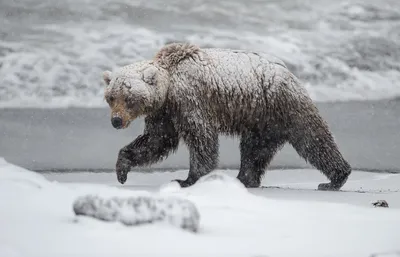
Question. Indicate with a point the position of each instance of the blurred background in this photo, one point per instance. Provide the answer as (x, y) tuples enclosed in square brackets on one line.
[(52, 53)]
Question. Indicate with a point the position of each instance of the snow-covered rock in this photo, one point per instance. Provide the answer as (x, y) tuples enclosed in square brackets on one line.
[(138, 210)]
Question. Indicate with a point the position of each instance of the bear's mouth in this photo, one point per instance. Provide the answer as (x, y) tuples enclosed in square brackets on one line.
[(126, 124)]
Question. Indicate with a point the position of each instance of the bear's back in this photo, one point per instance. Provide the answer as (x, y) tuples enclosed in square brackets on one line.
[(231, 55), (239, 71), (231, 88)]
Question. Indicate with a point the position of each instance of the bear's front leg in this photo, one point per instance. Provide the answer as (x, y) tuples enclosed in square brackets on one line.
[(203, 150), (123, 165), (129, 156), (144, 150), (156, 143), (256, 152)]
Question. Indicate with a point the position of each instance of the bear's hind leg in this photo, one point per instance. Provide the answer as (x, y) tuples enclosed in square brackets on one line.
[(314, 142), (256, 152)]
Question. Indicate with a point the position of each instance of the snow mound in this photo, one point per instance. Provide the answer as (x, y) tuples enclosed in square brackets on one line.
[(140, 210), (234, 221), (218, 177), (14, 174)]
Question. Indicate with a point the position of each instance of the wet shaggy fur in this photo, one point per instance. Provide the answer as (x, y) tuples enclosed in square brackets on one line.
[(197, 94)]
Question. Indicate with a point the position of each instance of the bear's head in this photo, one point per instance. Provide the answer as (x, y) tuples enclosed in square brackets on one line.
[(134, 90)]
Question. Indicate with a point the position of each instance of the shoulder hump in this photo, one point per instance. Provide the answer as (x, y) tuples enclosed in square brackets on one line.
[(170, 55)]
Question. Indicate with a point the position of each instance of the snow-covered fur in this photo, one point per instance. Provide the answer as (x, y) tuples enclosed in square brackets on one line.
[(196, 94), (135, 90)]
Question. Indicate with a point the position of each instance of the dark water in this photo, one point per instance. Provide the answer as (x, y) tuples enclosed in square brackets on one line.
[(52, 52), (367, 133)]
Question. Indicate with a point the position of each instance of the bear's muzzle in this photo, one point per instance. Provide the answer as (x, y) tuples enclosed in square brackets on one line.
[(117, 122)]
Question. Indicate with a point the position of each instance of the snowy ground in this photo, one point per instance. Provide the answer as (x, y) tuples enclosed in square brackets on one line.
[(36, 217)]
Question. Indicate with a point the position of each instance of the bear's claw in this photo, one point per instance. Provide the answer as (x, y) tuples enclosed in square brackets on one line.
[(249, 183), (328, 187), (184, 183), (122, 169), (122, 177)]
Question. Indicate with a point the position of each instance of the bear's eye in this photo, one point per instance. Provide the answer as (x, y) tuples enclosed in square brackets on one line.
[(129, 103), (110, 99)]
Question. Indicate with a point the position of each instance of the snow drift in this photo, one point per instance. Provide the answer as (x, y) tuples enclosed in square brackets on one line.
[(37, 219)]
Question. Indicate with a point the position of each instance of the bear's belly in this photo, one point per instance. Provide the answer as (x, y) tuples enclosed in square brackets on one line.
[(238, 120)]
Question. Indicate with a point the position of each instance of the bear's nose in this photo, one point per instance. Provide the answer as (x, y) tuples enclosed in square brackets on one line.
[(116, 122)]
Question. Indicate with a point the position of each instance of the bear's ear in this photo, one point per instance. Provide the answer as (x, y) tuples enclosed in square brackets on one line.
[(150, 75), (107, 77)]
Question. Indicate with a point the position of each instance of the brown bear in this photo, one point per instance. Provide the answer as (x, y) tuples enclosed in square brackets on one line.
[(194, 94)]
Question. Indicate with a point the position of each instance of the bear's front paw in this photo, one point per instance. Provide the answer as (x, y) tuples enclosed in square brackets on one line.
[(328, 187), (249, 182), (122, 168), (184, 183)]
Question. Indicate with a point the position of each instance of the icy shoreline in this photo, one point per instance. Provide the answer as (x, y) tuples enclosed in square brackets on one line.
[(37, 220)]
